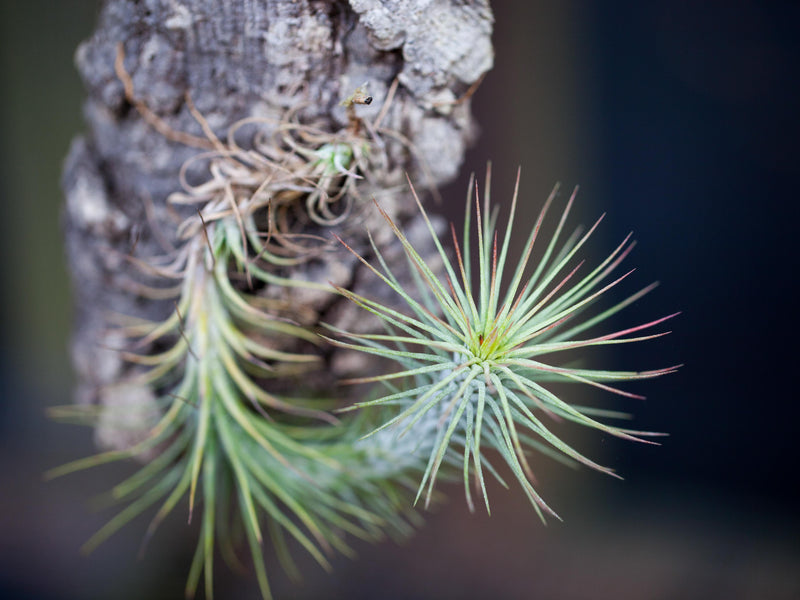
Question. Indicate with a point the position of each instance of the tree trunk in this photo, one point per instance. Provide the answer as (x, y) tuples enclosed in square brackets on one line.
[(239, 59)]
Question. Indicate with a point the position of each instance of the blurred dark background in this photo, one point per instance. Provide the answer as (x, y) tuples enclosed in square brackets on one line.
[(680, 120)]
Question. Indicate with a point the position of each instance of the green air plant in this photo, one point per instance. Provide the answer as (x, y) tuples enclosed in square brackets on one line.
[(251, 463), (217, 444), (479, 363)]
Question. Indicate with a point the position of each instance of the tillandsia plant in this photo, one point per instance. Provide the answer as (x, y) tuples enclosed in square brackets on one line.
[(249, 460), (479, 362), (244, 454)]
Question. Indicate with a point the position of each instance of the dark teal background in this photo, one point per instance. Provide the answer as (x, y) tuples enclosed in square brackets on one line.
[(680, 120)]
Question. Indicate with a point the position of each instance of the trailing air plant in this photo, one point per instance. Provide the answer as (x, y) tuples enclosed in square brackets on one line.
[(479, 362), (241, 452), (243, 456)]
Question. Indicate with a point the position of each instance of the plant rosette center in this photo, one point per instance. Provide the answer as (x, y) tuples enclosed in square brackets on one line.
[(489, 347), (478, 362)]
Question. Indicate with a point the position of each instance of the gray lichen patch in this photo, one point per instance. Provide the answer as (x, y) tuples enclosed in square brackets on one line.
[(441, 42), (130, 412), (88, 207)]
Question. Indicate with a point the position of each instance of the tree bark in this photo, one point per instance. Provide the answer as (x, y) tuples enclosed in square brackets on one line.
[(237, 59)]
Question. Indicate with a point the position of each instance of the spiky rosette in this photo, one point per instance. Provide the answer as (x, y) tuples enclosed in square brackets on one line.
[(479, 363)]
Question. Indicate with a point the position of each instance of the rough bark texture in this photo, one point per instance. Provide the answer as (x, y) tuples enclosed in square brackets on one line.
[(237, 59)]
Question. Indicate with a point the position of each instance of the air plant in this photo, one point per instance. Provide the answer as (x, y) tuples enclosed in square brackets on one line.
[(479, 362), (288, 171), (220, 439), (249, 462)]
